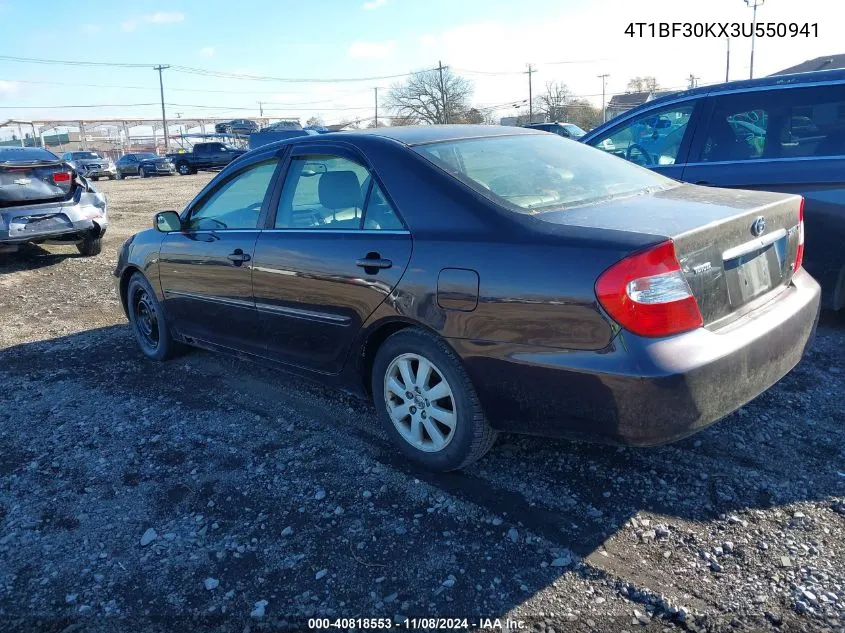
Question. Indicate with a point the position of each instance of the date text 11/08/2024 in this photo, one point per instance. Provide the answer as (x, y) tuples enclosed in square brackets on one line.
[(411, 624), (722, 29)]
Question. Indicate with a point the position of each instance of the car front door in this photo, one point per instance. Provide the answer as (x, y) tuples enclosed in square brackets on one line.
[(206, 268), (790, 140), (336, 250), (658, 138), (128, 165)]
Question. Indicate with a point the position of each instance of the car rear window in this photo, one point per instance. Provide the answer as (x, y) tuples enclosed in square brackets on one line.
[(25, 154), (533, 173)]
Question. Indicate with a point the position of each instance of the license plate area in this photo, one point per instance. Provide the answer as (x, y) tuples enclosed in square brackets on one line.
[(756, 271)]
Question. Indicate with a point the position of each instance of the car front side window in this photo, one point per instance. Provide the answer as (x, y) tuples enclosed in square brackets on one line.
[(237, 203), (650, 139)]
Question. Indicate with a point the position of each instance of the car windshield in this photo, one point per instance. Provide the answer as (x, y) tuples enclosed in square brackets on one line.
[(83, 155), (146, 156), (22, 154), (534, 173), (574, 130)]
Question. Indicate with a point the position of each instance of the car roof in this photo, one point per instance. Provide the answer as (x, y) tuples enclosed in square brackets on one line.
[(421, 134)]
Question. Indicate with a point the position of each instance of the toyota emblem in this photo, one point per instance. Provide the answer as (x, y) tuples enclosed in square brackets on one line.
[(758, 227)]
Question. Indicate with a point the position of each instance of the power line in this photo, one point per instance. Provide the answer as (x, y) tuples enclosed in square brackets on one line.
[(35, 60)]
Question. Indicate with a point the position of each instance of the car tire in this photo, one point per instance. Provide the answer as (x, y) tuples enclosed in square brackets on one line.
[(148, 322), (183, 168), (118, 175), (113, 177), (90, 246), (445, 433), (95, 178), (142, 173)]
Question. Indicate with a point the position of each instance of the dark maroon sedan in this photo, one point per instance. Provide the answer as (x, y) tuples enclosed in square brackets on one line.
[(476, 279)]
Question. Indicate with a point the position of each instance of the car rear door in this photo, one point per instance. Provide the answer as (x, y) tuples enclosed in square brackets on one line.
[(642, 139), (206, 269), (334, 250), (790, 140)]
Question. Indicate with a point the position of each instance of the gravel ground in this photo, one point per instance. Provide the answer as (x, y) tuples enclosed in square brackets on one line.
[(212, 494)]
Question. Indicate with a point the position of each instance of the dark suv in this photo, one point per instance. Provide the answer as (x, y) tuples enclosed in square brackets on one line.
[(566, 130), (784, 133), (238, 127)]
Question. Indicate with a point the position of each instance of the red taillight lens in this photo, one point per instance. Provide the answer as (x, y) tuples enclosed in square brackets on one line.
[(61, 176), (647, 294), (799, 254)]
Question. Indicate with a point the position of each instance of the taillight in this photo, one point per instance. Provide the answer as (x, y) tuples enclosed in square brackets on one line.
[(799, 254), (61, 176), (647, 294)]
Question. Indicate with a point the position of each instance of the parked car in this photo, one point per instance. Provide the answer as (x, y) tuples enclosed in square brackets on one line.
[(473, 279), (205, 156), (267, 135), (45, 199), (238, 127), (566, 130), (91, 165), (784, 133), (143, 165)]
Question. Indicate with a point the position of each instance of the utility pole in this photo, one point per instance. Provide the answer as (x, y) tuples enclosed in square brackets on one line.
[(753, 4), (603, 86), (443, 92), (728, 62), (376, 101), (530, 96), (261, 109), (160, 68)]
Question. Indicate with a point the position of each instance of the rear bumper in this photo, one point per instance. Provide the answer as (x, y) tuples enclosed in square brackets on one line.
[(643, 391), (60, 220)]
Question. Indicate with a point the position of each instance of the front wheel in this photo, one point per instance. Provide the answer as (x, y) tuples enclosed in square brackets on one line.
[(184, 169), (119, 175), (148, 321), (142, 172), (427, 403)]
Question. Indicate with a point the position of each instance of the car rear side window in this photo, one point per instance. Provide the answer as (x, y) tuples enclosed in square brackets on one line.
[(237, 203), (332, 192), (532, 173), (777, 124)]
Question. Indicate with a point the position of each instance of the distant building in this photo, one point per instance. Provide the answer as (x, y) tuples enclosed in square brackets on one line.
[(828, 62), (624, 102)]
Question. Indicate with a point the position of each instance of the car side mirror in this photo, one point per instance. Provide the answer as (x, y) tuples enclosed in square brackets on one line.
[(167, 221)]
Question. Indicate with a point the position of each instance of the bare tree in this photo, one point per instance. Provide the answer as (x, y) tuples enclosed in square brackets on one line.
[(643, 84), (473, 116), (582, 113), (431, 96), (553, 101), (314, 121), (403, 120)]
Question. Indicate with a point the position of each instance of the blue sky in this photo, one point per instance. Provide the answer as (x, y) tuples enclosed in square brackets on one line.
[(363, 38)]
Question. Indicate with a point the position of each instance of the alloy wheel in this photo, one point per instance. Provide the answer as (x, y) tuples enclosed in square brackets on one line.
[(420, 402)]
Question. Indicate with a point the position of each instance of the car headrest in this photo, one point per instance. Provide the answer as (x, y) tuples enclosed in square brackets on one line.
[(339, 190)]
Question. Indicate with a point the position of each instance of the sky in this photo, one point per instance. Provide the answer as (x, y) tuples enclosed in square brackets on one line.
[(489, 42)]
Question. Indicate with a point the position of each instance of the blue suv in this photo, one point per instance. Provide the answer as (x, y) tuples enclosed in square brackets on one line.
[(783, 133)]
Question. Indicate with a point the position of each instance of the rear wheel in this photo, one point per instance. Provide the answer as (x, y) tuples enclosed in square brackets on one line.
[(142, 172), (148, 321), (95, 178), (427, 403), (90, 246), (118, 175)]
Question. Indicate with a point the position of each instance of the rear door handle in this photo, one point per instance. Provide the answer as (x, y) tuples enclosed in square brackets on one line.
[(238, 257), (373, 262)]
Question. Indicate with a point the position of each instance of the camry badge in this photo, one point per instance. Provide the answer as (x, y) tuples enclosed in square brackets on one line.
[(22, 181), (758, 227)]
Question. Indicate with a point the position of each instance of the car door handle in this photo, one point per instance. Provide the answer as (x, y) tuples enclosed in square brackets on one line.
[(373, 262), (238, 257)]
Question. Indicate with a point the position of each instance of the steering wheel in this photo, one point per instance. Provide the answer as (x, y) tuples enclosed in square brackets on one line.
[(629, 152)]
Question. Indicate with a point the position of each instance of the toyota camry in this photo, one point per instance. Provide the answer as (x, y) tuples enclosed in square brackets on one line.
[(474, 279)]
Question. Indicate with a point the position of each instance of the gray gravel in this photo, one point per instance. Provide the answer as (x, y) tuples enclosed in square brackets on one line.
[(212, 494)]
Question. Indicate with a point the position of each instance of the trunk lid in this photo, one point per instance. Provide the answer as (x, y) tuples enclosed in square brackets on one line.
[(31, 181), (734, 246)]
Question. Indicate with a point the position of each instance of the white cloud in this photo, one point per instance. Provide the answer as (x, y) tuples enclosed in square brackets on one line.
[(8, 87), (373, 50), (374, 4), (160, 17), (208, 51)]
